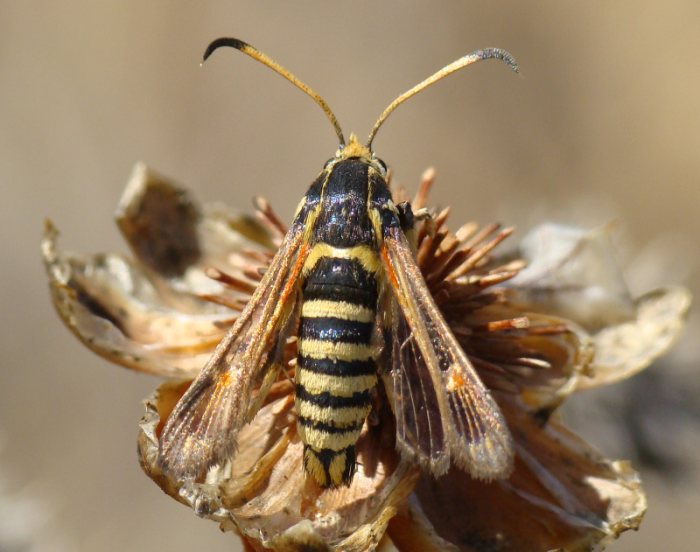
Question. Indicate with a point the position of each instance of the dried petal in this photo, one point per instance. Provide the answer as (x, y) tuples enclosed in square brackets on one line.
[(624, 349), (574, 273), (263, 493), (154, 314), (561, 495), (175, 240), (110, 305)]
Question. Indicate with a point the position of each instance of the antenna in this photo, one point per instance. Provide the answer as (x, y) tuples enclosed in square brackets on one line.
[(277, 68), (478, 55)]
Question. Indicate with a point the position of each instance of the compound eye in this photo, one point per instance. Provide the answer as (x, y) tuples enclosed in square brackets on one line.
[(382, 164), (329, 162)]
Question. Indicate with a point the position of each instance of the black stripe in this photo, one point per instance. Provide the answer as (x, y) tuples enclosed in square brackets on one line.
[(326, 400), (338, 368), (350, 295), (335, 330), (329, 454), (326, 456), (328, 428)]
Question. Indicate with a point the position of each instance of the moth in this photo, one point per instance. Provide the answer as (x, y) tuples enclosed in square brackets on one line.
[(345, 273)]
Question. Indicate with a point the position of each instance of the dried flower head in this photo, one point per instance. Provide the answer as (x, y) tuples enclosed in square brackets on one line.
[(193, 270)]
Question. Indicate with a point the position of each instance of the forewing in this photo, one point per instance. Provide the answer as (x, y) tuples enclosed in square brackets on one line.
[(430, 372), (202, 429)]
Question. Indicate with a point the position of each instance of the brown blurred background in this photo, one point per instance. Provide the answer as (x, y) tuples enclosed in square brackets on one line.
[(604, 124)]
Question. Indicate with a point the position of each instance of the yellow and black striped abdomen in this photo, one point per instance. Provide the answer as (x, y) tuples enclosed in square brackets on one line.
[(336, 370)]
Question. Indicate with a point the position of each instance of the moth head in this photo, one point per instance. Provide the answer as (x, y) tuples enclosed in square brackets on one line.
[(356, 150)]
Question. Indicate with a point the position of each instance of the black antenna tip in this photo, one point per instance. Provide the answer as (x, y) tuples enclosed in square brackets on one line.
[(224, 41), (503, 55)]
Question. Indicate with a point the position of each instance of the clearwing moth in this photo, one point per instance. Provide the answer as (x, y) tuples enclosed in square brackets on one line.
[(345, 273)]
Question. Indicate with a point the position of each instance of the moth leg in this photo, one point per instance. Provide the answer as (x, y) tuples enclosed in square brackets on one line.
[(406, 216)]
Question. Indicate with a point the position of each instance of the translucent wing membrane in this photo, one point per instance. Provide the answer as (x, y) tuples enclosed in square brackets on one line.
[(443, 411), (202, 429), (419, 426)]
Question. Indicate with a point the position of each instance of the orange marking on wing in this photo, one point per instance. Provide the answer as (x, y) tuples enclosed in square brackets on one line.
[(292, 280), (223, 380), (390, 269), (456, 381)]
